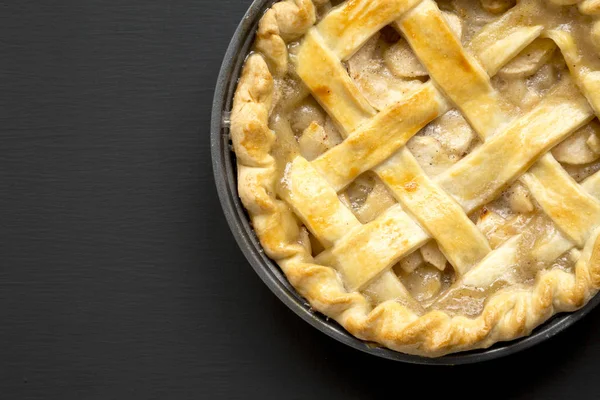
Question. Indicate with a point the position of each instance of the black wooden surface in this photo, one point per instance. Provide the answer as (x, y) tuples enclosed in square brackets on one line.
[(118, 275)]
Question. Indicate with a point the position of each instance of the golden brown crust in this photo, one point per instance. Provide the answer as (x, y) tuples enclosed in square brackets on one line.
[(510, 313), (284, 21)]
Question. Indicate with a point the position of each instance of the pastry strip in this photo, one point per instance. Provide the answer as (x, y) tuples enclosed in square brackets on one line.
[(364, 253), (348, 27), (508, 35), (550, 185), (458, 237), (330, 221), (588, 81), (377, 139), (478, 178), (457, 73), (330, 84)]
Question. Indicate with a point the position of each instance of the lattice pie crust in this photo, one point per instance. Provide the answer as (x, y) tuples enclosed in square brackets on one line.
[(425, 173)]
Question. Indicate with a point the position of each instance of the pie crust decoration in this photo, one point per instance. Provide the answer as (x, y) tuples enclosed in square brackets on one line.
[(426, 173)]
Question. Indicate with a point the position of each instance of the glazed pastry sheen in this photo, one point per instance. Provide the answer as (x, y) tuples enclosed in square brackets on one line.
[(426, 173)]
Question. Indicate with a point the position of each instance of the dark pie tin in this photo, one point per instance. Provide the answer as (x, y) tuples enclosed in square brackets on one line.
[(224, 168)]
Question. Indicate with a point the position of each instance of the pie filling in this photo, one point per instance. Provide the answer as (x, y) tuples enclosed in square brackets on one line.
[(451, 155)]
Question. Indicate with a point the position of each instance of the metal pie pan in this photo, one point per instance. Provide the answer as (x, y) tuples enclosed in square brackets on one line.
[(224, 168)]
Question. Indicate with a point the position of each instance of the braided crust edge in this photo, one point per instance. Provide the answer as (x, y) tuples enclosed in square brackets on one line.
[(508, 314)]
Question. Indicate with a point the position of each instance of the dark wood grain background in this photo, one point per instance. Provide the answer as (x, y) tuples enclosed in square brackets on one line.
[(119, 278)]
